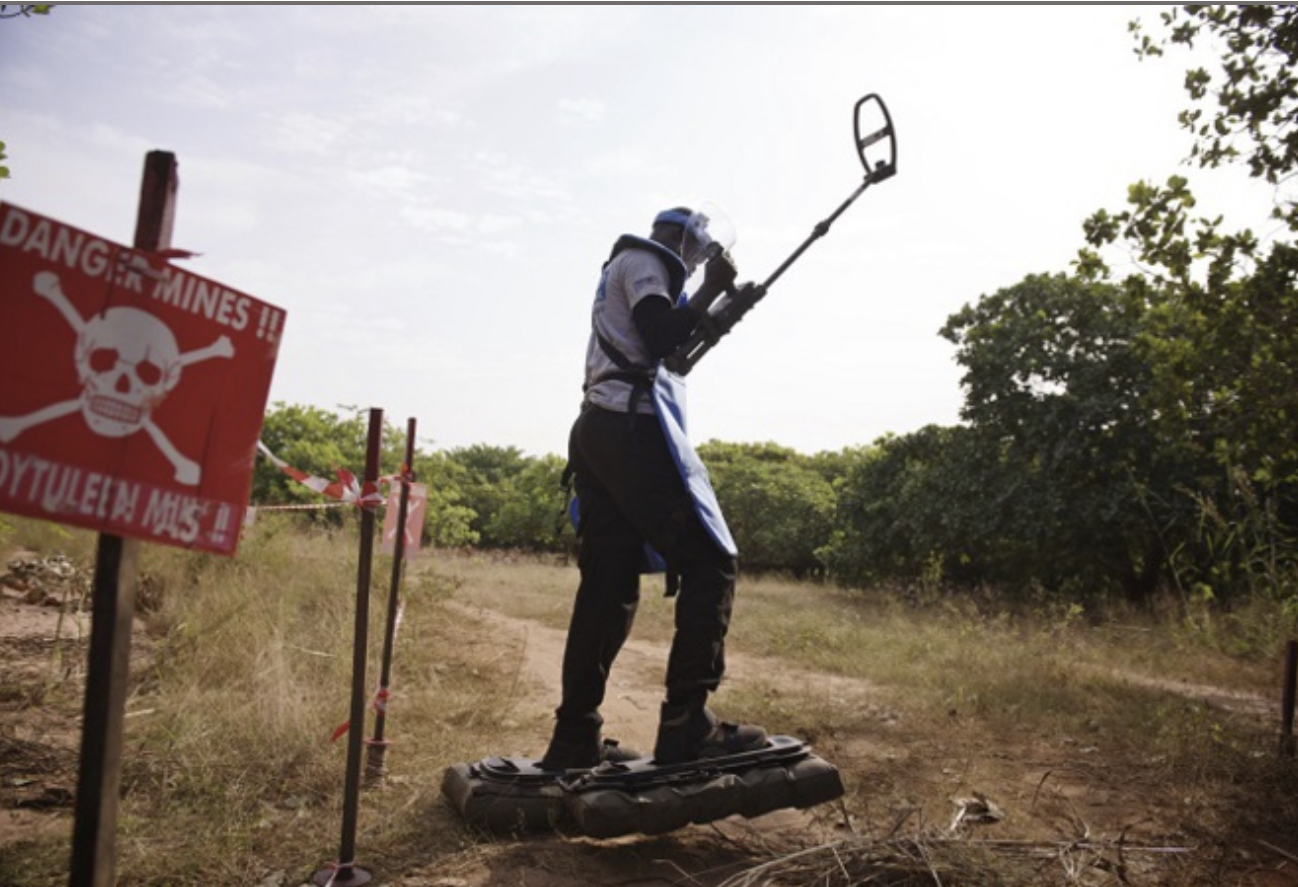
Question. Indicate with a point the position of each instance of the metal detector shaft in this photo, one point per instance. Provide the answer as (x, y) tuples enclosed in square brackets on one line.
[(821, 230), (739, 301)]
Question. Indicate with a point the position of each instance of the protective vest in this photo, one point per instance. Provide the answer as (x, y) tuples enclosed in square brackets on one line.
[(639, 376), (667, 391)]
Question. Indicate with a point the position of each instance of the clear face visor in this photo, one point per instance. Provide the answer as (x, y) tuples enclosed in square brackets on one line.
[(707, 233)]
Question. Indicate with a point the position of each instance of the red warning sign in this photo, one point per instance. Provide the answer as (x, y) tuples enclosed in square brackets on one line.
[(416, 505), (131, 391)]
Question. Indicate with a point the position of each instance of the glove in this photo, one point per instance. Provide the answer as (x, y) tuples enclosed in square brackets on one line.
[(740, 303), (720, 273), (718, 276)]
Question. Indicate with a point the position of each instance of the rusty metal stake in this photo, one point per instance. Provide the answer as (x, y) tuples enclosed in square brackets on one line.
[(378, 746), (345, 872)]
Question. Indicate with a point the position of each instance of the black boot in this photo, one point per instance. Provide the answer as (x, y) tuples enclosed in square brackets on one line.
[(566, 753), (694, 732)]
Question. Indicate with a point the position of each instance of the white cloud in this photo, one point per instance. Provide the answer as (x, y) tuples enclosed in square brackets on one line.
[(306, 133), (388, 180), (580, 111), (438, 219)]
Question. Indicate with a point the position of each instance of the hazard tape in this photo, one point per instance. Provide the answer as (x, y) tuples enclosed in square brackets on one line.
[(379, 701), (378, 704), (346, 489)]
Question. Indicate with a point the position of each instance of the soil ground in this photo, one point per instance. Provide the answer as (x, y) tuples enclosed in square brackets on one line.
[(1046, 788), (39, 759), (39, 754), (1056, 796)]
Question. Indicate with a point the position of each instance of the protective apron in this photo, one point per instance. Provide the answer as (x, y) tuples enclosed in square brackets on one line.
[(669, 404)]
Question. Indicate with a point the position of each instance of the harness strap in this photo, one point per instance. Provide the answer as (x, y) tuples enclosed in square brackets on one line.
[(640, 378)]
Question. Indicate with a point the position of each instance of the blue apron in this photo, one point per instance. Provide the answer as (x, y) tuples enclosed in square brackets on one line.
[(669, 404)]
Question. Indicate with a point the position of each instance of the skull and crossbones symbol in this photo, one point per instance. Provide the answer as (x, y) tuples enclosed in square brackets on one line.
[(128, 362)]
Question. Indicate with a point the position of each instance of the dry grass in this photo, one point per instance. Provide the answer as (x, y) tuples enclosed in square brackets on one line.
[(229, 772), (1091, 733)]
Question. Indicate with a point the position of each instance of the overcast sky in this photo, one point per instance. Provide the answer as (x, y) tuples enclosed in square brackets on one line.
[(429, 191)]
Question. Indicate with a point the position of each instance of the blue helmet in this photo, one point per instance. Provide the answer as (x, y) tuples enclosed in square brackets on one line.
[(696, 243)]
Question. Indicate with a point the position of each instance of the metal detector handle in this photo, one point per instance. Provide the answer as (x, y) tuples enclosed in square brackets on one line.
[(727, 312), (740, 301)]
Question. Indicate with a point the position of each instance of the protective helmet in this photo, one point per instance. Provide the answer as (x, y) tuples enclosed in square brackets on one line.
[(704, 232)]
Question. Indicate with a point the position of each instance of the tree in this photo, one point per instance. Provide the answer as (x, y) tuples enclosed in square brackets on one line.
[(448, 519), (489, 482), (1220, 330), (532, 514), (1257, 97), (778, 506), (1058, 383), (879, 536)]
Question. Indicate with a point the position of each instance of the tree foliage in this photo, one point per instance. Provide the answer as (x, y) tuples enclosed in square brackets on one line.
[(1255, 117), (530, 508), (1123, 433), (1220, 307), (780, 504), (448, 516), (1057, 389), (490, 483), (891, 508), (14, 10), (777, 504)]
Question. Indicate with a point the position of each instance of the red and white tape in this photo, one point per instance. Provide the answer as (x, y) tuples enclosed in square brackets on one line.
[(346, 489)]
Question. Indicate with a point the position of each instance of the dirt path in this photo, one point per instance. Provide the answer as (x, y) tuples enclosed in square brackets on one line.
[(635, 692), (635, 687), (636, 684)]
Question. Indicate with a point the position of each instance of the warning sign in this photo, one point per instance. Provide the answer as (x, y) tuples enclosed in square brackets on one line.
[(131, 391), (416, 504)]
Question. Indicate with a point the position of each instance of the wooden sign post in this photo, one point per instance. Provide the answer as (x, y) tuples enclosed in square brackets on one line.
[(94, 834), (133, 398)]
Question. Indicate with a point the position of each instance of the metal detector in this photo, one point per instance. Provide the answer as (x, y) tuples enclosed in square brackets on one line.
[(876, 144)]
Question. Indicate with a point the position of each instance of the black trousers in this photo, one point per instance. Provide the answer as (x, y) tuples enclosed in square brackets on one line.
[(630, 492)]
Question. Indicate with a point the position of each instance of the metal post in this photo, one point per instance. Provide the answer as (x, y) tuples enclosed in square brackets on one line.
[(378, 745), (112, 609), (345, 873)]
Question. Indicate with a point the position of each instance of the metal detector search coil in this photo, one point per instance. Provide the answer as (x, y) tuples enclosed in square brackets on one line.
[(875, 141), (883, 167)]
